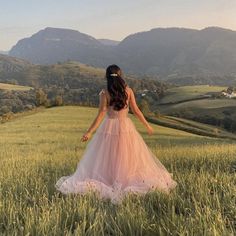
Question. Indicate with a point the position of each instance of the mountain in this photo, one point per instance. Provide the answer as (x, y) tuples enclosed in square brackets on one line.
[(53, 45), (180, 51), (167, 53), (109, 42)]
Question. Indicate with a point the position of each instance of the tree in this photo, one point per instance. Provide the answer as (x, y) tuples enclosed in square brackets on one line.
[(41, 97)]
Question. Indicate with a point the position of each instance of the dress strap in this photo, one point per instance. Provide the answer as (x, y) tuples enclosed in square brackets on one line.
[(104, 92)]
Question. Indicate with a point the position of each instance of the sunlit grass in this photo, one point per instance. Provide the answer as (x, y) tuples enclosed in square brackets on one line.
[(38, 149), (4, 86)]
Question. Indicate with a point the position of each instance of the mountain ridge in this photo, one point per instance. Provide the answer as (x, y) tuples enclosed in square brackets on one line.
[(160, 52)]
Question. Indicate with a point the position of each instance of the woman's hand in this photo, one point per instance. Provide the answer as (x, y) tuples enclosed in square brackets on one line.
[(150, 129), (86, 136)]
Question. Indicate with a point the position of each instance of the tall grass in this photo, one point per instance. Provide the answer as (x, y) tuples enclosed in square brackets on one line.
[(38, 149)]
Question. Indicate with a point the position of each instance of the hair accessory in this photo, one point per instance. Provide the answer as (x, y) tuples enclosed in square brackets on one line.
[(114, 74)]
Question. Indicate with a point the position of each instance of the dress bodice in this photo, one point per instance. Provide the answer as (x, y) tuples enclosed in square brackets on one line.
[(113, 114)]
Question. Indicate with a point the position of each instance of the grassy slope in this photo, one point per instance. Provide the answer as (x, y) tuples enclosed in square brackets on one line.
[(189, 92), (38, 149), (192, 127), (216, 108), (206, 104), (4, 86), (186, 101)]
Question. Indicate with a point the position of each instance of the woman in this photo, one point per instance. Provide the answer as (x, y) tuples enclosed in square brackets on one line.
[(117, 161)]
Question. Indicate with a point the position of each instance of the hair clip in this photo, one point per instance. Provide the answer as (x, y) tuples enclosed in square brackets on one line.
[(114, 74)]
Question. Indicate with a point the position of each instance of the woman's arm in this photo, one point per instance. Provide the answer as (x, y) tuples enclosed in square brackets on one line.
[(138, 113), (101, 113)]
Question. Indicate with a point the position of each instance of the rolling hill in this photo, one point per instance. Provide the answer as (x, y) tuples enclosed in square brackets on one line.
[(200, 103), (70, 74), (191, 126), (66, 83)]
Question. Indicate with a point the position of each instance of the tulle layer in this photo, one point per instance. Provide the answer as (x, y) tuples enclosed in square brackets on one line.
[(116, 162)]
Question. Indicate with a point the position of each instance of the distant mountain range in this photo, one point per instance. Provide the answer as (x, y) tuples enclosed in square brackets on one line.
[(167, 53)]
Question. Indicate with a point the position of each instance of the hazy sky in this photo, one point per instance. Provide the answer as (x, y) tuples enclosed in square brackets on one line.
[(109, 18)]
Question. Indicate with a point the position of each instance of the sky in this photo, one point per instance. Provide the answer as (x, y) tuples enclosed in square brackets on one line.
[(111, 19)]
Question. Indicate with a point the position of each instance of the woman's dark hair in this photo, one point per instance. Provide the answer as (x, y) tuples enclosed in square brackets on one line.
[(116, 87)]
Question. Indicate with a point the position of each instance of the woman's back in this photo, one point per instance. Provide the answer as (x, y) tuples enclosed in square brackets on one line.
[(108, 97), (131, 102), (114, 113)]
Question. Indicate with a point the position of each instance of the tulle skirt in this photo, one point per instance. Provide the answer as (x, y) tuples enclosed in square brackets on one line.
[(116, 162)]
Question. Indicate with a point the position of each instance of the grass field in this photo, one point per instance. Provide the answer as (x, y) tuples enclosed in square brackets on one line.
[(4, 86), (39, 148), (182, 93)]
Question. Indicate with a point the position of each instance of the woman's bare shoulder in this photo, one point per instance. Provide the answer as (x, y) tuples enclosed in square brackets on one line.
[(127, 88)]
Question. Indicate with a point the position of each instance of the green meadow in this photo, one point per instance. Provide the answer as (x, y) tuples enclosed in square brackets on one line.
[(38, 148)]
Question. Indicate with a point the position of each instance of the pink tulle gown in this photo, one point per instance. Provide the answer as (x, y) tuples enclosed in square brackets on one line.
[(117, 161)]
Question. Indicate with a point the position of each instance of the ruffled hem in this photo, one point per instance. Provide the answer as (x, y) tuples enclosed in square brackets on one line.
[(115, 192)]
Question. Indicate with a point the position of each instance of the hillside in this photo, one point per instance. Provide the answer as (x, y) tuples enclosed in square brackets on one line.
[(184, 93), (14, 87), (198, 106), (17, 70), (39, 148), (191, 126), (71, 73), (173, 54), (10, 64), (200, 103), (69, 83)]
